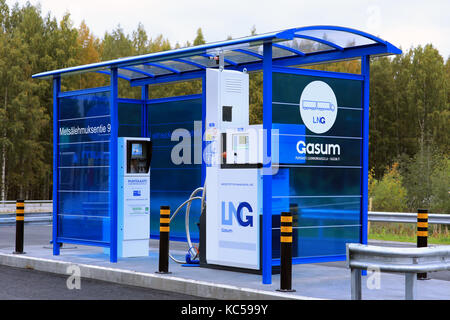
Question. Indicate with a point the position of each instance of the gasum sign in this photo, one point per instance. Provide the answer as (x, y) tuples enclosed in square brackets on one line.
[(316, 130)]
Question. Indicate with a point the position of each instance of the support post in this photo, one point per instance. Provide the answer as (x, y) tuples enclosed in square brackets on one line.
[(144, 112), (410, 286), (164, 229), (55, 196), (267, 166), (365, 70), (355, 283), (20, 215), (422, 235), (286, 252), (113, 168)]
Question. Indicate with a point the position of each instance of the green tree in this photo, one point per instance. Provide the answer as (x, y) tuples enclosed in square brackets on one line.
[(90, 49), (23, 116), (199, 39), (417, 172), (382, 114), (388, 194), (440, 187)]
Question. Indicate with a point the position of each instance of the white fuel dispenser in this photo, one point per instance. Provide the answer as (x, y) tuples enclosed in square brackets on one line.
[(233, 174), (134, 157)]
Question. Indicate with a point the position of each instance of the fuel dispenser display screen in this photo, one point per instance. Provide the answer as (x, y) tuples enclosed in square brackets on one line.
[(136, 150), (139, 154)]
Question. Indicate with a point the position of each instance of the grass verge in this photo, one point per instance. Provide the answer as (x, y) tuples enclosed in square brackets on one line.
[(406, 232)]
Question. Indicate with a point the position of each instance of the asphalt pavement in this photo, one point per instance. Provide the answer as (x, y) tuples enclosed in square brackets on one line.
[(24, 284)]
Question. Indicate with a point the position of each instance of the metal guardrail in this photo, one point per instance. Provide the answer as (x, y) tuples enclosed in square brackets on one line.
[(9, 206), (409, 261), (41, 217), (400, 217)]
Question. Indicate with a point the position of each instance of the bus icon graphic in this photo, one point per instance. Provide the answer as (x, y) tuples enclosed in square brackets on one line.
[(317, 105)]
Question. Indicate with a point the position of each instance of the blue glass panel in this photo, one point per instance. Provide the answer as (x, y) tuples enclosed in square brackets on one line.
[(323, 181), (84, 106), (84, 228), (306, 46), (157, 71), (180, 66), (172, 184), (240, 57), (204, 61), (162, 158), (89, 178), (84, 203), (129, 119), (276, 52), (317, 241), (177, 226), (84, 154), (131, 74), (324, 211), (341, 38), (83, 190), (161, 133), (319, 176)]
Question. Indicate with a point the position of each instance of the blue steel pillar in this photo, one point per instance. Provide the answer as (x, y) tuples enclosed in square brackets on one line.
[(113, 166), (365, 70), (267, 166), (144, 114), (56, 90)]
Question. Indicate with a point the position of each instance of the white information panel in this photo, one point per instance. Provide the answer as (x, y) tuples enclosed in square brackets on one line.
[(136, 208), (233, 232)]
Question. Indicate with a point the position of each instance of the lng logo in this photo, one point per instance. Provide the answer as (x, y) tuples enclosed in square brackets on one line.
[(237, 213), (318, 107)]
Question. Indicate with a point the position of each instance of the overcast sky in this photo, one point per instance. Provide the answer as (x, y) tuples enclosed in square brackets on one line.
[(404, 23)]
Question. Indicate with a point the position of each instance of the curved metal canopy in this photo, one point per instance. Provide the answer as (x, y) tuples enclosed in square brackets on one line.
[(297, 46)]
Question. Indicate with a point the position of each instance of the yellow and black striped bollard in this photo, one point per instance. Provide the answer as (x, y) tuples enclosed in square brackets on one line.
[(164, 228), (286, 252), (422, 235), (20, 215)]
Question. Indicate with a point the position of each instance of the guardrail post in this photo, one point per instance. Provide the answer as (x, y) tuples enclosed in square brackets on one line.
[(422, 235), (286, 252), (355, 283), (410, 285), (20, 215), (164, 228)]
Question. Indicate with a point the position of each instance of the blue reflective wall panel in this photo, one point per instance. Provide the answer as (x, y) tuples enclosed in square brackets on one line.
[(171, 184), (129, 119), (319, 174), (83, 190)]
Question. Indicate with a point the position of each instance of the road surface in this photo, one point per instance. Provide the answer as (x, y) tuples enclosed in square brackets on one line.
[(24, 284)]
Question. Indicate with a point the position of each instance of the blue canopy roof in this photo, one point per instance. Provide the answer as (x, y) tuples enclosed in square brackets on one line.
[(297, 46)]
